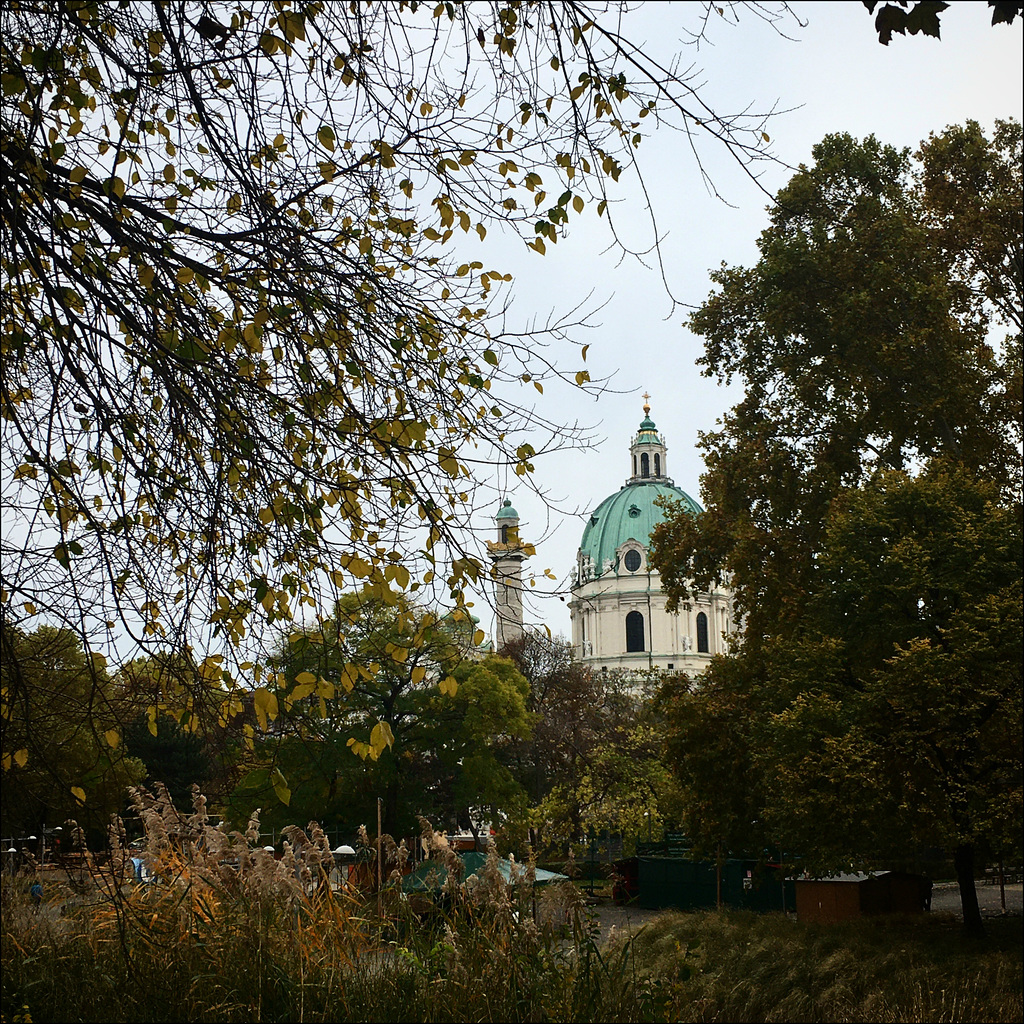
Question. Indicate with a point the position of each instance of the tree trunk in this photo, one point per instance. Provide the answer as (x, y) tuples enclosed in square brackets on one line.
[(963, 861)]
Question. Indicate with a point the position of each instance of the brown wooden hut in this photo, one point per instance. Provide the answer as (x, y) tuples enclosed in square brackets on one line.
[(843, 897)]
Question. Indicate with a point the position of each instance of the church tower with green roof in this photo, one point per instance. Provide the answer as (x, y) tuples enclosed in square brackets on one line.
[(507, 554)]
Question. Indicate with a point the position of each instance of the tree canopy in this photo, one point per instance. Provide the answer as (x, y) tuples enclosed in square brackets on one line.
[(63, 755), (242, 363), (381, 700), (880, 328), (593, 761), (864, 500)]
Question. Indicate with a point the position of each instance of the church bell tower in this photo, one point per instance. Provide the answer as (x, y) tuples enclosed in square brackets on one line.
[(507, 554)]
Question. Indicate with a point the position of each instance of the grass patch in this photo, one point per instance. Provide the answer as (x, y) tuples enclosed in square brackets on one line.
[(769, 968)]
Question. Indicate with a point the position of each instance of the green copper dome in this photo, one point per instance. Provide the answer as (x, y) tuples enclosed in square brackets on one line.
[(629, 514), (507, 511)]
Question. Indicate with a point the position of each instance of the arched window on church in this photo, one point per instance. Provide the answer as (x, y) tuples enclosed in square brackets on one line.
[(634, 465), (504, 535), (702, 634), (657, 465), (635, 632), (645, 464)]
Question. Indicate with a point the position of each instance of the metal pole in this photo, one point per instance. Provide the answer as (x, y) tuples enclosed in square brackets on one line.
[(379, 806)]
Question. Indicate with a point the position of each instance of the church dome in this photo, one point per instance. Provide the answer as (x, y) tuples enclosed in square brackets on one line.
[(629, 514), (620, 618)]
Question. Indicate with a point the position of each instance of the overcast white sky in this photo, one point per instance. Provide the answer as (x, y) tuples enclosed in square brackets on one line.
[(833, 76)]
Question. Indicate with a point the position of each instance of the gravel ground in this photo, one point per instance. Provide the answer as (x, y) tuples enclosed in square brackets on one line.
[(945, 898)]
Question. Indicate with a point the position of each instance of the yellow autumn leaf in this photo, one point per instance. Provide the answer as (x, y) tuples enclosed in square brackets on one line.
[(381, 736), (210, 669), (447, 461), (359, 567), (19, 758), (265, 706)]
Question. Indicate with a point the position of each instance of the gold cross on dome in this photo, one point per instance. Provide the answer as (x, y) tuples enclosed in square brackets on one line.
[(647, 400)]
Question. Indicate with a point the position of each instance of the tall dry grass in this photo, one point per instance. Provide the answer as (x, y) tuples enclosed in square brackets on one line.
[(226, 931)]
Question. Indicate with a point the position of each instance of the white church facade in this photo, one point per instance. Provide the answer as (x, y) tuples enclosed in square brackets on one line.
[(619, 619)]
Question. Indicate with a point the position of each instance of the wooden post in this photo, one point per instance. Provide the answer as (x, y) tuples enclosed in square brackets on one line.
[(718, 877)]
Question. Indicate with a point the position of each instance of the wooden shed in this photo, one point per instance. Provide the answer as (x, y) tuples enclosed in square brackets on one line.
[(843, 897)]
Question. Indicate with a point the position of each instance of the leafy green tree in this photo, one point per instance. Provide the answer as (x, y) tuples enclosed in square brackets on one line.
[(620, 786), (865, 338), (711, 745), (892, 719), (563, 698), (203, 734), (914, 721), (474, 735), (63, 750), (382, 701), (868, 483), (594, 759), (242, 363), (173, 756), (361, 681)]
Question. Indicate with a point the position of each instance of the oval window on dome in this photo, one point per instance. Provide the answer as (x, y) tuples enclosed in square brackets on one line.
[(632, 560), (634, 511)]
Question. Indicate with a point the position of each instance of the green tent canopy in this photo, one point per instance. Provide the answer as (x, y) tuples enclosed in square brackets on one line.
[(430, 875)]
